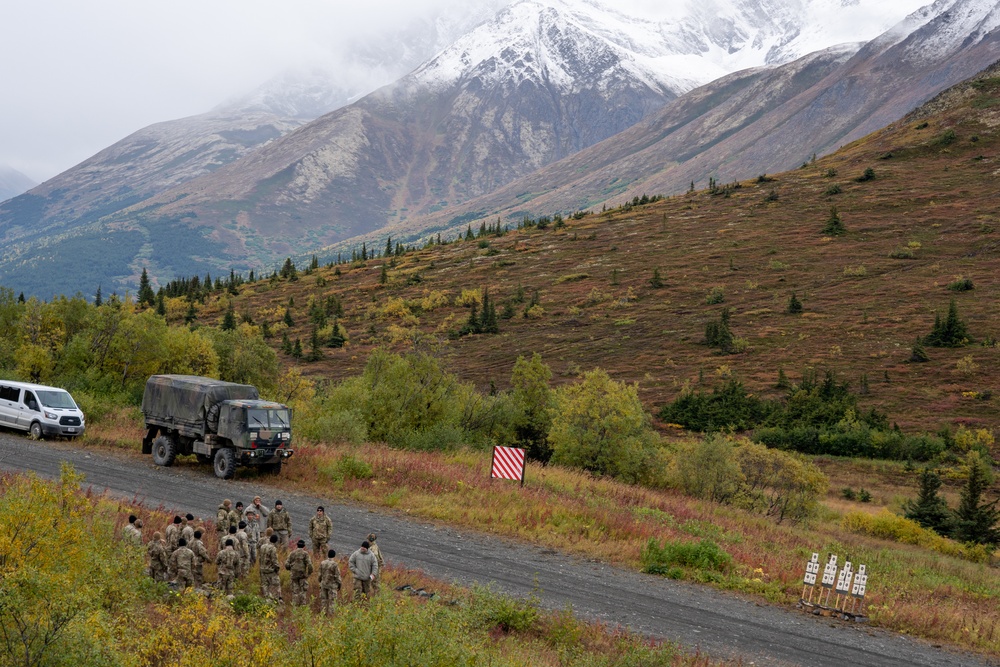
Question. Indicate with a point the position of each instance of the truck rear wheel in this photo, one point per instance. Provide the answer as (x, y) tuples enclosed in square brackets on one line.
[(164, 451), (225, 463)]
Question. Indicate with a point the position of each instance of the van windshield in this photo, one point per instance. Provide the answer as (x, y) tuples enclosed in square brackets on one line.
[(268, 418), (56, 399)]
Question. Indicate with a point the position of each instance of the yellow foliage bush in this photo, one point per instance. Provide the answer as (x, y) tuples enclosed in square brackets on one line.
[(888, 526), (395, 309), (432, 300), (966, 439), (469, 297)]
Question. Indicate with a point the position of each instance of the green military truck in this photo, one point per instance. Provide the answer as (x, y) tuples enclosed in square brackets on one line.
[(221, 423)]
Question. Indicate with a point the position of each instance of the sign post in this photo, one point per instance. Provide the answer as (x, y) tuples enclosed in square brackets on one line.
[(508, 463)]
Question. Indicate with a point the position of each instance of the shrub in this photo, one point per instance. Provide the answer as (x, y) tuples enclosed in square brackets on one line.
[(600, 425), (703, 555), (868, 175), (961, 284), (794, 305), (888, 526), (834, 225), (950, 332), (714, 296), (706, 468), (508, 614)]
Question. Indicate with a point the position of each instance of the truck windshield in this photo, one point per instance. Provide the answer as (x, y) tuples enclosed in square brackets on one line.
[(56, 399), (268, 418)]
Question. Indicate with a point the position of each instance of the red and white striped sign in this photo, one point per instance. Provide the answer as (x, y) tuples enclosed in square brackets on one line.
[(508, 463)]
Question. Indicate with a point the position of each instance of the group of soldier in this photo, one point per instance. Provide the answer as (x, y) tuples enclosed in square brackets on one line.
[(178, 554)]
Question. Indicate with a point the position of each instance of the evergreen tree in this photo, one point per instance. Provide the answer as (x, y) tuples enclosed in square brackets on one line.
[(794, 305), (468, 233), (656, 282), (161, 306), (383, 276), (191, 315), (288, 271), (287, 319), (297, 349), (472, 325), (918, 354), (951, 332), (929, 509), (229, 320), (98, 298), (364, 252), (337, 338), (145, 296), (315, 354), (286, 343), (718, 334), (834, 226), (314, 264), (488, 321), (975, 519), (388, 247)]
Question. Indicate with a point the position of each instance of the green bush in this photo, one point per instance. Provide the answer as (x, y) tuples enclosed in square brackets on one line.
[(493, 610), (703, 555), (345, 468)]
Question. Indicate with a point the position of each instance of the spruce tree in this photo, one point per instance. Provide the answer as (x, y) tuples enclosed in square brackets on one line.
[(834, 226), (929, 509), (190, 316), (488, 322), (794, 305), (161, 306), (975, 519), (145, 296), (951, 332), (383, 276), (287, 319), (98, 298), (656, 282), (229, 320)]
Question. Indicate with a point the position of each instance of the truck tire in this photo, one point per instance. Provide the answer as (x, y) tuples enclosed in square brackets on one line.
[(164, 450), (225, 463), (35, 431)]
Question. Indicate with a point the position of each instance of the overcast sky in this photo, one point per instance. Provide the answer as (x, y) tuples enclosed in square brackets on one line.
[(78, 76)]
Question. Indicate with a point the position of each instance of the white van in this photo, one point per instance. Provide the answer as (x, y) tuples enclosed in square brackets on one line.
[(39, 410)]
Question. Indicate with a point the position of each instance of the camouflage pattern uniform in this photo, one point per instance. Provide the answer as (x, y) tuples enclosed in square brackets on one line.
[(264, 539), (157, 551), (183, 562), (201, 557), (244, 549), (252, 520), (320, 530), (281, 522), (237, 548), (227, 562), (187, 530), (270, 584), (372, 547), (300, 565), (172, 534), (132, 535), (329, 585), (222, 521)]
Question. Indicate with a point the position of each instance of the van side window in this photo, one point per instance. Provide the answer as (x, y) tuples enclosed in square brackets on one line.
[(9, 393), (29, 400)]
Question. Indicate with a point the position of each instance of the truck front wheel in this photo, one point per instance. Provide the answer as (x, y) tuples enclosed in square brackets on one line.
[(225, 463), (164, 451)]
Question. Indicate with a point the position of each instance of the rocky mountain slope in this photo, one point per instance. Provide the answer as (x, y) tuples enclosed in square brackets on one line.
[(756, 122), (535, 84)]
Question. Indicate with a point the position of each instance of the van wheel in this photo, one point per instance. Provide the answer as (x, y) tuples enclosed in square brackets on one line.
[(35, 431), (225, 463), (164, 451)]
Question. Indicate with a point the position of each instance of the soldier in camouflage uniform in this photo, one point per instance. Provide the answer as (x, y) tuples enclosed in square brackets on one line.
[(157, 551), (320, 530), (183, 562), (244, 549), (187, 528), (222, 521), (131, 533), (173, 534), (301, 566), (329, 583), (373, 548), (201, 557), (270, 583), (227, 562), (238, 548), (281, 522), (252, 520), (265, 538)]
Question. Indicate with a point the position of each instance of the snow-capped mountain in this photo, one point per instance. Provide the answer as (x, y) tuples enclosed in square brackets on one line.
[(762, 120), (539, 81)]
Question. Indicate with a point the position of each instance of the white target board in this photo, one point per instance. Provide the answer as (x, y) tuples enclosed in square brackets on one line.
[(860, 582), (844, 579), (830, 572), (812, 569)]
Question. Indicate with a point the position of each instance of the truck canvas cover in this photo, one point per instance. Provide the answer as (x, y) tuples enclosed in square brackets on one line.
[(185, 400)]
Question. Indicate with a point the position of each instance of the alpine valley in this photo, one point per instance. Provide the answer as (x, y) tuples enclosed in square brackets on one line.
[(549, 106)]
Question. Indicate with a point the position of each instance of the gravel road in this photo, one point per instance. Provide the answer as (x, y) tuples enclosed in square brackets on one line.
[(718, 624)]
